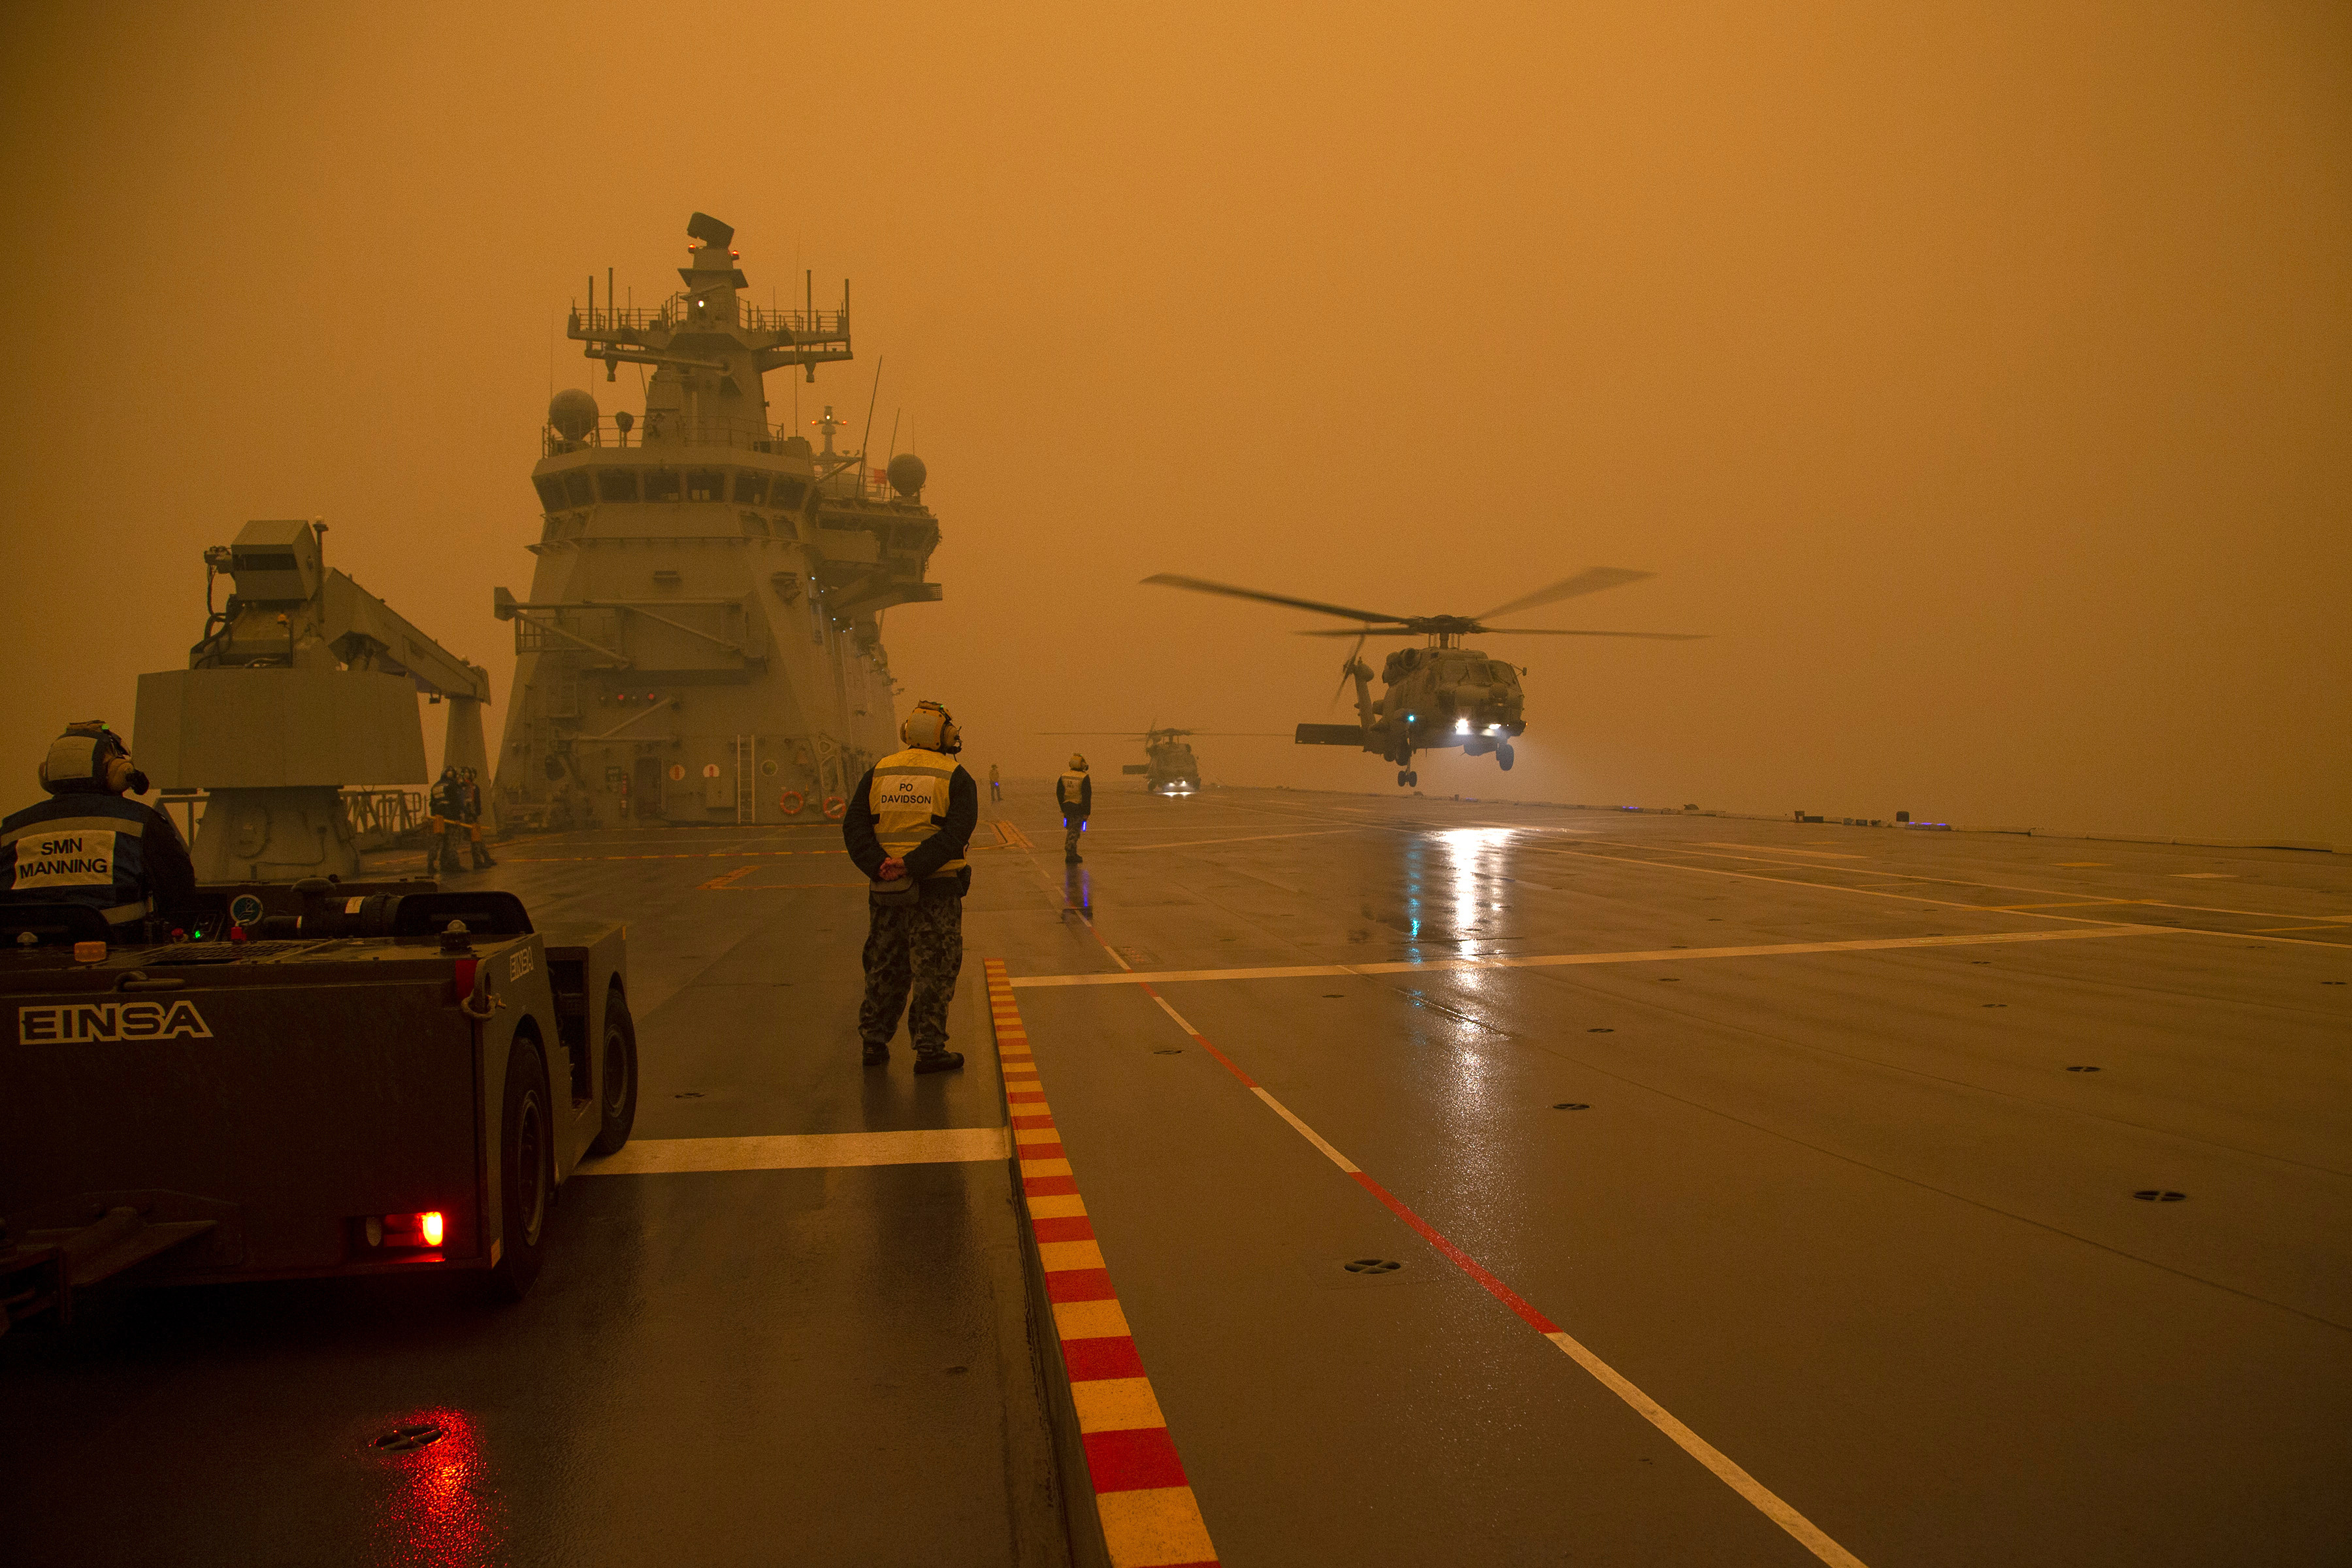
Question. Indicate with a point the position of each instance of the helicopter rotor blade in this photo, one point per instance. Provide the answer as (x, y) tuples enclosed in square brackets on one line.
[(1203, 585), (1556, 632), (1587, 582), (1360, 634)]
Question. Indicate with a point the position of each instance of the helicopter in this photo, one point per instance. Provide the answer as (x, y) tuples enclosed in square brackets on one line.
[(1440, 694), (1171, 769)]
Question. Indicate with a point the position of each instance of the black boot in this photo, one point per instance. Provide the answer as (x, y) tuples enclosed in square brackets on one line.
[(877, 1055), (939, 1061)]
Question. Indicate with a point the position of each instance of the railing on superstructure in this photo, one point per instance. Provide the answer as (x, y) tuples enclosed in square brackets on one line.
[(669, 429), (380, 816), (663, 438), (680, 310)]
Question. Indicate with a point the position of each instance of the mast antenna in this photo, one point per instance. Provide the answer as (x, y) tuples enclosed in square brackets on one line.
[(864, 447)]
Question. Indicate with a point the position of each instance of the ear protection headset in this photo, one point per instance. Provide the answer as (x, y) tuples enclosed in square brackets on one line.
[(1077, 763), (88, 757), (931, 728)]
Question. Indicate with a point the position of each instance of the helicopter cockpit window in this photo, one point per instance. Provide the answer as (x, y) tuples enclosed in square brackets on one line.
[(617, 484)]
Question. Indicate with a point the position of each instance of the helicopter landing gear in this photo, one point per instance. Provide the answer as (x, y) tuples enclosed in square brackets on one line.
[(1407, 779), (1503, 756)]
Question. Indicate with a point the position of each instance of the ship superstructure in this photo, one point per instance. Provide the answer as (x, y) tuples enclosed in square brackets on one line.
[(700, 643)]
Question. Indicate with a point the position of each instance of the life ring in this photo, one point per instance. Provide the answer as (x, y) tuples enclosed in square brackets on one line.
[(790, 803), (835, 806)]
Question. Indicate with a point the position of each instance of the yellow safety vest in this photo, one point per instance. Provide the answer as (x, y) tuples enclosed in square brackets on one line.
[(909, 801), (1069, 789)]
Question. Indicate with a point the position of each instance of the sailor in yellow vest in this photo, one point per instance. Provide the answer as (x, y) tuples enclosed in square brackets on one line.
[(905, 827), (1075, 792)]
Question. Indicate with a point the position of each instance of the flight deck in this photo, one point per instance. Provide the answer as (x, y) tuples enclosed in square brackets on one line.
[(1410, 1181)]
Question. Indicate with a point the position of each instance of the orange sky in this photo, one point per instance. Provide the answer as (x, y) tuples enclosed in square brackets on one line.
[(1977, 375)]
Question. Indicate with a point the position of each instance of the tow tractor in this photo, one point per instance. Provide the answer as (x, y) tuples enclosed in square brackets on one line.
[(313, 1079)]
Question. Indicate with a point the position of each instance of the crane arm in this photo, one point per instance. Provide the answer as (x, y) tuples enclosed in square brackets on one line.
[(365, 630)]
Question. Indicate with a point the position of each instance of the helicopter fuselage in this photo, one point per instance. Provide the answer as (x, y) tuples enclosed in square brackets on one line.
[(1172, 769), (1438, 697), (1440, 694)]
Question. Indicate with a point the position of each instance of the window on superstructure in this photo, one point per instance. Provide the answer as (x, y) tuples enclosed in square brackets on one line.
[(788, 493), (617, 484), (551, 491), (661, 484), (579, 489), (751, 488), (754, 525), (706, 484)]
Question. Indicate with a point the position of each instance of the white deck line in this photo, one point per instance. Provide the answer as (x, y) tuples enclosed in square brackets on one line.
[(1552, 959), (800, 1152)]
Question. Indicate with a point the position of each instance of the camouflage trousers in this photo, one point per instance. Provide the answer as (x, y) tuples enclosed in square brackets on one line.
[(1071, 826), (443, 859), (913, 953)]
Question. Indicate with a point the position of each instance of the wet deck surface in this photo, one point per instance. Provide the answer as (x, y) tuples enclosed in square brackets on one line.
[(1846, 1212), (1832, 1199)]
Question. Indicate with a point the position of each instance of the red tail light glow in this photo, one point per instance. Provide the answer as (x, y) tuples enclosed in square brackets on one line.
[(430, 1223)]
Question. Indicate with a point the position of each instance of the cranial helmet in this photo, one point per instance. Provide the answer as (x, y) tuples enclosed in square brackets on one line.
[(89, 758), (931, 728), (1077, 762)]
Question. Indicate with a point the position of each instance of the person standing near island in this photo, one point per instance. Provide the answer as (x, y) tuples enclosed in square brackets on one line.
[(995, 783), (907, 823)]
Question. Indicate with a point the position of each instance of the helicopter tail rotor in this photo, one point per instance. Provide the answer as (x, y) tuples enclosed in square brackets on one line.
[(1346, 668)]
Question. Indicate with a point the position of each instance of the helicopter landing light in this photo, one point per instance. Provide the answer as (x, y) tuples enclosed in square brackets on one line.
[(1461, 726)]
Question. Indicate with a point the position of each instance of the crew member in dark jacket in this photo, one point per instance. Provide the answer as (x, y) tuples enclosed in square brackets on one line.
[(88, 845), (905, 826), (1076, 792)]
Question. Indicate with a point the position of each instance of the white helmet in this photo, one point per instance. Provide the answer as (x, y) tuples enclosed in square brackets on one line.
[(90, 757), (931, 728)]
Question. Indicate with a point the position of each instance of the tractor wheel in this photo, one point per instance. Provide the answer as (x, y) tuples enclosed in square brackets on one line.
[(619, 1099), (526, 1170)]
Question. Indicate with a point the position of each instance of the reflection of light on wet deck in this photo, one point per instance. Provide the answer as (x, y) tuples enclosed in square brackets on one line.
[(443, 1511), (1473, 858), (1463, 1059)]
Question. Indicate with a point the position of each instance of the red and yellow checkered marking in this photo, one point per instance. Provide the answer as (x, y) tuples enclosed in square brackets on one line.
[(1149, 1517)]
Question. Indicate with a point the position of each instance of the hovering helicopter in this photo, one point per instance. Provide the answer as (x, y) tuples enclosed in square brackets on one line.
[(1442, 694), (1171, 769)]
